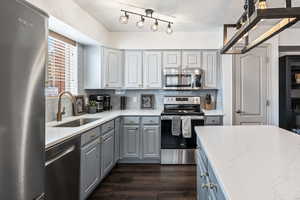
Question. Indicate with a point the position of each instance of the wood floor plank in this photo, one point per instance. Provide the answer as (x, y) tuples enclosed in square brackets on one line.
[(148, 182)]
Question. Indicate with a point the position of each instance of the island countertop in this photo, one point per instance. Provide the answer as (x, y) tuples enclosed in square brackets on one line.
[(254, 162)]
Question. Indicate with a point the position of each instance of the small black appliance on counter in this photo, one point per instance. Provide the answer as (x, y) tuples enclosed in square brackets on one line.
[(107, 105), (123, 102), (102, 100)]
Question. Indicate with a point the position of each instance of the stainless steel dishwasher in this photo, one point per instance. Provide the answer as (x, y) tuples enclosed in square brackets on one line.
[(63, 170)]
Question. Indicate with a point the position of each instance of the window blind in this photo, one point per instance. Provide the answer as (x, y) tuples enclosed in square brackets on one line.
[(62, 65)]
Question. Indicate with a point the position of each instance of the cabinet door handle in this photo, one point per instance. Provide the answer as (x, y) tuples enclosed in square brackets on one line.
[(204, 175), (213, 186), (205, 186)]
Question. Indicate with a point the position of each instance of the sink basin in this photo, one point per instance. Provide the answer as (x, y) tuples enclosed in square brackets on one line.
[(78, 122)]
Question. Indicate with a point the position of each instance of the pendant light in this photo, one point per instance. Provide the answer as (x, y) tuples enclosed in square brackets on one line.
[(262, 4), (124, 18), (140, 24), (154, 26), (169, 29), (287, 17)]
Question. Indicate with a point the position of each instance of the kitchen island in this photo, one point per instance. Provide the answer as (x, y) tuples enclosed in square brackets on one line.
[(247, 163)]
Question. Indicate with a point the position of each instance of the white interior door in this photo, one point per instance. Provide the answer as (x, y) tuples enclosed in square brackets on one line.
[(251, 83)]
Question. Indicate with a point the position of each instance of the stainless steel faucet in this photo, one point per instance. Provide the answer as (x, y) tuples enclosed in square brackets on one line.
[(59, 112)]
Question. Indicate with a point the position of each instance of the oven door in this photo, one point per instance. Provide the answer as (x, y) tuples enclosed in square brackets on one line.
[(168, 141), (176, 149), (178, 81)]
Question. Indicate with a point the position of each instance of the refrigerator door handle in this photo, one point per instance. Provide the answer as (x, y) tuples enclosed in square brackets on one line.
[(66, 152)]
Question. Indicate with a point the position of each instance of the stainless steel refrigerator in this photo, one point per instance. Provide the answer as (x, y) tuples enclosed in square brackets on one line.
[(23, 52)]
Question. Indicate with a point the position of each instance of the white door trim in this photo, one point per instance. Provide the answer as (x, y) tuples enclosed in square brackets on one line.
[(269, 86)]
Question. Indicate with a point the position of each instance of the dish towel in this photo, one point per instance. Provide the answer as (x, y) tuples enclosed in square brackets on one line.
[(186, 127), (176, 128)]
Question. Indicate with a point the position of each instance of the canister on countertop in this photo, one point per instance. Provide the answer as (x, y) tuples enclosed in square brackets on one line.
[(123, 102)]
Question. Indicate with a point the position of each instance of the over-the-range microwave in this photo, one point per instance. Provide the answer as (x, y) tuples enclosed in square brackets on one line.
[(182, 80)]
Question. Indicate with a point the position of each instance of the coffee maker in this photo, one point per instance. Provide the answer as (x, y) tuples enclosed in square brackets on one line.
[(99, 101)]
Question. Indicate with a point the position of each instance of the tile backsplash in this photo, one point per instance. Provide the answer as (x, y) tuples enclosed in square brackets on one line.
[(134, 96)]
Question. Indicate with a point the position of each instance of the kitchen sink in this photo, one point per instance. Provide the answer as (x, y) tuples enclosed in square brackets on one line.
[(78, 122)]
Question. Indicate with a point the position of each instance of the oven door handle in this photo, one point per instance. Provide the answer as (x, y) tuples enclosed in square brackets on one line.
[(170, 117)]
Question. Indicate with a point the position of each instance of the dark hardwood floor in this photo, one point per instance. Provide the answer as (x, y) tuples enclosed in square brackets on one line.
[(148, 182)]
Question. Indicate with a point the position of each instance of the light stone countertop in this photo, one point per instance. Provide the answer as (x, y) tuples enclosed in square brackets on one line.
[(213, 112), (254, 162), (55, 135)]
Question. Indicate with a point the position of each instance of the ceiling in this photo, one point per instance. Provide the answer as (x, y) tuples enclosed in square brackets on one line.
[(187, 15)]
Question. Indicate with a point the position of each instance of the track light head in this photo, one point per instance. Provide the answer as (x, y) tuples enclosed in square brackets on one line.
[(169, 29), (124, 18), (154, 26), (140, 24)]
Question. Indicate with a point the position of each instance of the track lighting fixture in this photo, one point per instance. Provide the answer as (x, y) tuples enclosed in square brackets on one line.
[(124, 18)]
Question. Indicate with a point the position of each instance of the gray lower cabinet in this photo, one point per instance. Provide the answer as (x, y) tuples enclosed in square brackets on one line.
[(107, 153), (90, 165), (117, 139), (131, 141), (151, 141), (208, 187)]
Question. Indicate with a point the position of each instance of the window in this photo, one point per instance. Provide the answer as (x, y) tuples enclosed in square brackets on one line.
[(61, 74)]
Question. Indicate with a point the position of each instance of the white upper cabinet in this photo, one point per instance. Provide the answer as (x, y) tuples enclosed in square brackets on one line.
[(172, 59), (92, 67), (210, 70), (112, 64), (191, 59), (152, 70), (133, 69)]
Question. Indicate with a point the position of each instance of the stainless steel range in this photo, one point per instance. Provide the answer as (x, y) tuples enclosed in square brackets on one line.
[(175, 148)]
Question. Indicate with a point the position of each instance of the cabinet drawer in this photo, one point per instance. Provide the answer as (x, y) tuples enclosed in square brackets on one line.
[(107, 127), (131, 120), (213, 120), (90, 136), (150, 120)]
